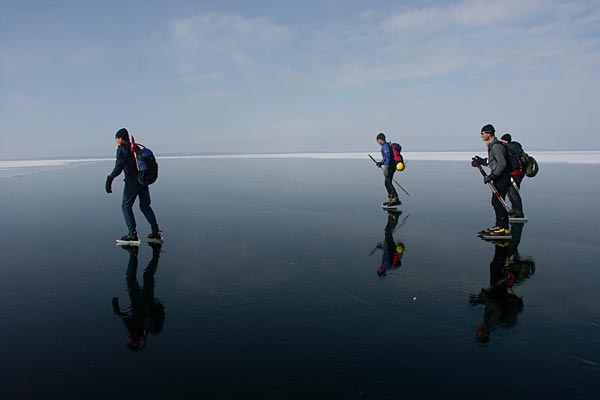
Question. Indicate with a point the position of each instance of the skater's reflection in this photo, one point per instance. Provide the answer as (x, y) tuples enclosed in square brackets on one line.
[(146, 314), (392, 250), (507, 270)]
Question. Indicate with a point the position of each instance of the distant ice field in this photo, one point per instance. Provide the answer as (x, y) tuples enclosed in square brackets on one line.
[(15, 168)]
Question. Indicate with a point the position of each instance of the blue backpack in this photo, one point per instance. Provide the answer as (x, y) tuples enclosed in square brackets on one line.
[(146, 163)]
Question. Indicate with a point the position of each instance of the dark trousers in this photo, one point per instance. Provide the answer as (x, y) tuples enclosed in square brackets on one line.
[(513, 194), (502, 183), (132, 190), (389, 182)]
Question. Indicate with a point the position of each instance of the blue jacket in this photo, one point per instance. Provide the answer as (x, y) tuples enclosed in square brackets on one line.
[(125, 161), (387, 154)]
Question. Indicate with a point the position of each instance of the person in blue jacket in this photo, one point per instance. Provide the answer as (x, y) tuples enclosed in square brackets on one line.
[(126, 163), (388, 165)]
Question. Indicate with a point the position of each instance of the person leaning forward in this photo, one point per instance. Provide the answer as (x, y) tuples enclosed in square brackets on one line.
[(125, 162), (499, 175), (388, 165)]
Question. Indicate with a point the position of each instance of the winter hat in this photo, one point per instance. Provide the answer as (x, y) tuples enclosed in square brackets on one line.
[(488, 128), (122, 134), (506, 137), (381, 136)]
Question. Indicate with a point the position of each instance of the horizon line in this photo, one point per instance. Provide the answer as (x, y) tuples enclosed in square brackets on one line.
[(551, 156)]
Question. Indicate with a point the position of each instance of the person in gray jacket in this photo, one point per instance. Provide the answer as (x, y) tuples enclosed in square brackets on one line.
[(499, 175)]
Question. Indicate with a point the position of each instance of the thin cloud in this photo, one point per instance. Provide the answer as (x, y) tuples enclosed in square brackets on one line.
[(261, 28), (453, 40), (213, 94), (189, 74), (465, 14), (224, 42), (226, 32)]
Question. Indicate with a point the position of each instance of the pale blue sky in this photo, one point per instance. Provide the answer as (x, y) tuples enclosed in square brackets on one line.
[(263, 76)]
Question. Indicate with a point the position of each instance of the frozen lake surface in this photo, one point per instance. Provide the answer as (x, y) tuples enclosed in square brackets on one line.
[(270, 283)]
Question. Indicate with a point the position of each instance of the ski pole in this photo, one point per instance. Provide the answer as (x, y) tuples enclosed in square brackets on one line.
[(401, 223), (493, 187), (395, 181), (515, 185), (379, 246)]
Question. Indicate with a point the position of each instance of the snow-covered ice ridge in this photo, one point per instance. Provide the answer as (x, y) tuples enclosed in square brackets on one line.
[(573, 157)]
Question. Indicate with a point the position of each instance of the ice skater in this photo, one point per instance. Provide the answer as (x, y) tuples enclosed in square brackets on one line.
[(126, 162), (388, 166), (517, 172), (499, 176)]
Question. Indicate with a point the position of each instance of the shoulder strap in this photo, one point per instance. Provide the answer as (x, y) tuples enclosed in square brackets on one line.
[(504, 149), (501, 144)]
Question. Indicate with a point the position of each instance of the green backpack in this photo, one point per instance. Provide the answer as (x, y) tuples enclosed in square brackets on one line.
[(530, 165)]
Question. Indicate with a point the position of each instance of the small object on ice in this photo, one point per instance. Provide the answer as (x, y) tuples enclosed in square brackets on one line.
[(414, 298)]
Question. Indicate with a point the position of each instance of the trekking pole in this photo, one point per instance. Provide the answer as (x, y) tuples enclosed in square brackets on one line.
[(493, 187), (377, 247), (395, 181), (401, 223), (515, 185)]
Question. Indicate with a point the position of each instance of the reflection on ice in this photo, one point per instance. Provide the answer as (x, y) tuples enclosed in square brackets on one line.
[(507, 270)]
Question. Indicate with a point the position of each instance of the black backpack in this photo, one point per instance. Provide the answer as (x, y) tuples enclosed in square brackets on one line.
[(146, 164), (519, 160), (513, 158), (530, 165)]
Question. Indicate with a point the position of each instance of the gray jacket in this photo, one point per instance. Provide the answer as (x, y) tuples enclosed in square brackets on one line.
[(497, 158)]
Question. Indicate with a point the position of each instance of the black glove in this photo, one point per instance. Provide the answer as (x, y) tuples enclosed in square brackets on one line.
[(488, 179), (108, 184), (379, 164), (477, 161)]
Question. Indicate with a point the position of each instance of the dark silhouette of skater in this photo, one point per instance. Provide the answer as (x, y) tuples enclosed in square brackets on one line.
[(507, 269), (146, 314), (392, 250)]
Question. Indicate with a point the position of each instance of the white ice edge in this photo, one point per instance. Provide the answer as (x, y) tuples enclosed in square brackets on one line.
[(572, 157), (45, 163)]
